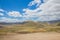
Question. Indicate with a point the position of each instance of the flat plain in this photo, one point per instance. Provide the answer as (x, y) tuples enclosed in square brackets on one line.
[(33, 36)]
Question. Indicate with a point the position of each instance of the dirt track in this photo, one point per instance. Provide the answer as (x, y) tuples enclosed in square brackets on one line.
[(33, 36)]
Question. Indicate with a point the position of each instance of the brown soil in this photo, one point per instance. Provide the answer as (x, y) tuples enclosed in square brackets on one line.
[(33, 36)]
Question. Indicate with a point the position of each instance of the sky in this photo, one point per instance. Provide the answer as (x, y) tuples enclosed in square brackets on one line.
[(26, 10)]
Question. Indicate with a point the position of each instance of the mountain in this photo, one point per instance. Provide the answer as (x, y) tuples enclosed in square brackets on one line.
[(50, 22), (54, 21), (8, 23), (32, 22)]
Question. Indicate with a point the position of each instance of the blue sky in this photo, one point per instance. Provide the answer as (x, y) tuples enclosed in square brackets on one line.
[(16, 5), (23, 10)]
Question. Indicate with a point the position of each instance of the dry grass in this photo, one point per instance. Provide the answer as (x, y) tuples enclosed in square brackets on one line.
[(30, 27)]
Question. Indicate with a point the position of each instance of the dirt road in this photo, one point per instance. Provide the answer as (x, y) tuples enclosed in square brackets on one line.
[(34, 36)]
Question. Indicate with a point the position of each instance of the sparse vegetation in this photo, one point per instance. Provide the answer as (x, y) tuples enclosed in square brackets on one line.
[(29, 27)]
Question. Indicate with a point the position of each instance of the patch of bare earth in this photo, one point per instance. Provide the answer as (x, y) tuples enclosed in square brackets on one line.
[(33, 36)]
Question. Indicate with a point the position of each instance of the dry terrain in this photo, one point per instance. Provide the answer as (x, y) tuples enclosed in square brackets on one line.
[(33, 36), (28, 31)]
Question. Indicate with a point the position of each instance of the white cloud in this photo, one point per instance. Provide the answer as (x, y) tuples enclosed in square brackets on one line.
[(1, 10), (50, 11), (34, 2), (5, 19), (46, 0), (29, 12), (14, 14), (16, 17), (1, 14)]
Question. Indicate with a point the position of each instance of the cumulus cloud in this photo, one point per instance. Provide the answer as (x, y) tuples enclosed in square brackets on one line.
[(10, 20), (34, 2), (29, 12), (50, 11), (1, 12), (14, 14), (46, 0)]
